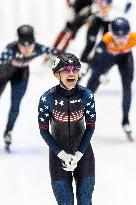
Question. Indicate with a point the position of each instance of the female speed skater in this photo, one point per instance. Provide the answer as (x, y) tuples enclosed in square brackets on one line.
[(115, 49), (14, 68), (67, 106)]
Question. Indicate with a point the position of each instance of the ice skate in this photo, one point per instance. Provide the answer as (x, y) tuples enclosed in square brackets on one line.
[(127, 129), (7, 140)]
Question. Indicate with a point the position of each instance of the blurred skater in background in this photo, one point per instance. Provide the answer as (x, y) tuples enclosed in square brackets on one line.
[(115, 48), (14, 68)]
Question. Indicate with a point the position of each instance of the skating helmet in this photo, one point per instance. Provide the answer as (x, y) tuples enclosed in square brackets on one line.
[(120, 26), (64, 60), (25, 35)]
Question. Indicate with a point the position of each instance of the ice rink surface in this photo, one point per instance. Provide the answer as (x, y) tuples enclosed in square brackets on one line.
[(24, 175)]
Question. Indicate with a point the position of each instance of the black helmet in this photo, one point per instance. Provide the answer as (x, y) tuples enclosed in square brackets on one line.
[(120, 26), (63, 60), (25, 35)]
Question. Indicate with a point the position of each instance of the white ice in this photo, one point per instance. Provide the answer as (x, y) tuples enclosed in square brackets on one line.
[(24, 175)]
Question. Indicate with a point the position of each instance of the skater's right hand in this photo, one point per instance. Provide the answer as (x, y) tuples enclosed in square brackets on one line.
[(65, 157)]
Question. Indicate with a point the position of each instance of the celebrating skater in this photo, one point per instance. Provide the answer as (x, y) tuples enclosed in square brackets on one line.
[(67, 107), (116, 49), (14, 68)]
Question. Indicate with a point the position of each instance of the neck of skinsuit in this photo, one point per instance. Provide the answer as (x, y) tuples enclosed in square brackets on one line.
[(66, 93)]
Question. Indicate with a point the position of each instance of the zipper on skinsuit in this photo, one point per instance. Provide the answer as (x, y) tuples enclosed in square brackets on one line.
[(68, 98)]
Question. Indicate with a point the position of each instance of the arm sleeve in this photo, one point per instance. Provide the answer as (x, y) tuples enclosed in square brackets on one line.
[(43, 120), (90, 118), (127, 7), (43, 49), (6, 56)]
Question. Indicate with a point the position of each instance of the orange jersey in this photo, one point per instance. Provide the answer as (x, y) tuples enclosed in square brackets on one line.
[(114, 48)]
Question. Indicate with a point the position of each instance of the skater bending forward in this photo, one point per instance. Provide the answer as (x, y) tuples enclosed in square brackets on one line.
[(115, 49), (14, 68), (70, 109)]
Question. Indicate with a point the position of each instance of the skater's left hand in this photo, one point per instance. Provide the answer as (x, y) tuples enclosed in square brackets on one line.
[(78, 155)]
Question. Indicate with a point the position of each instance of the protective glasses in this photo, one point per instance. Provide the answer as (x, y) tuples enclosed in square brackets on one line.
[(67, 69)]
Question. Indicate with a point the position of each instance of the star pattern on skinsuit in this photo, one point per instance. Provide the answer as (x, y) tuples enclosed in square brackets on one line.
[(46, 115), (42, 119), (91, 96), (88, 104), (61, 103), (43, 48), (41, 109), (43, 99), (92, 106), (46, 107), (5, 56), (92, 115), (19, 55), (87, 112)]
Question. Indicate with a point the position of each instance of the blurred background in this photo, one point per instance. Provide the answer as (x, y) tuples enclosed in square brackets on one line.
[(24, 175)]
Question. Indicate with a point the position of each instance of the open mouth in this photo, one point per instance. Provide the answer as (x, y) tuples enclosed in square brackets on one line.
[(71, 80)]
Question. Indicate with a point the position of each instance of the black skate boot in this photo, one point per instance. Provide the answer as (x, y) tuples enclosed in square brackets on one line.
[(7, 140), (127, 129)]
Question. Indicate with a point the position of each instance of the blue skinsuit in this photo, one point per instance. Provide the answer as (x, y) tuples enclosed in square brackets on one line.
[(17, 75), (67, 112)]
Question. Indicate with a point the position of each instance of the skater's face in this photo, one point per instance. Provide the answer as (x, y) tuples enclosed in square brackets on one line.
[(121, 40), (68, 76), (26, 50)]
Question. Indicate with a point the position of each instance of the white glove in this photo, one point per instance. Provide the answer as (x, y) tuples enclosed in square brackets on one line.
[(65, 158), (69, 168), (78, 155)]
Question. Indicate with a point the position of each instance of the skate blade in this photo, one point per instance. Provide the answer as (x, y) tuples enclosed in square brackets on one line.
[(7, 148), (130, 138)]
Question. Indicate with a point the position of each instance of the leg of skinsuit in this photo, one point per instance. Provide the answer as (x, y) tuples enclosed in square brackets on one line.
[(64, 37), (105, 26), (5, 74), (63, 192), (59, 38), (85, 188), (126, 69), (18, 88), (85, 178), (101, 63), (2, 86), (61, 181), (91, 39)]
